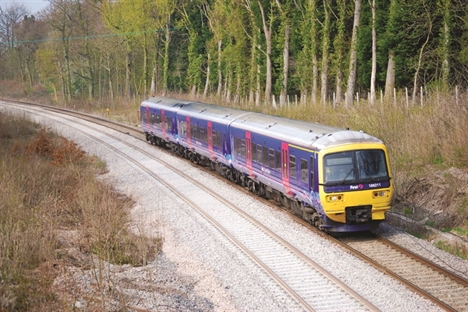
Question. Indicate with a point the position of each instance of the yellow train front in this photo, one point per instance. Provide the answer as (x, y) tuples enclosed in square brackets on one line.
[(354, 186)]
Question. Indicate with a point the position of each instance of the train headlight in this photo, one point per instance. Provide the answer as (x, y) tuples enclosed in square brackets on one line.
[(334, 198), (381, 194)]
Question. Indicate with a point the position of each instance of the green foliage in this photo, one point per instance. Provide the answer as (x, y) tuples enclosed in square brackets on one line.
[(458, 251), (111, 48), (461, 231)]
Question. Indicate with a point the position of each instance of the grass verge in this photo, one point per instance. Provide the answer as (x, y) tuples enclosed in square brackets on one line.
[(50, 201)]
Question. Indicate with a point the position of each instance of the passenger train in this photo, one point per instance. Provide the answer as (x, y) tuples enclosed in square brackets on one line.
[(338, 180)]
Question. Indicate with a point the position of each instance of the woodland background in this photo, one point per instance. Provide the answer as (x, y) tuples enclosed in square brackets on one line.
[(260, 52)]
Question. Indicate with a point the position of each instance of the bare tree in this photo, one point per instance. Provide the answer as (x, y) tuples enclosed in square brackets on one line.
[(353, 55), (374, 54)]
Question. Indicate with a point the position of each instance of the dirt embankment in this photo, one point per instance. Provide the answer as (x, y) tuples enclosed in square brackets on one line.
[(438, 199)]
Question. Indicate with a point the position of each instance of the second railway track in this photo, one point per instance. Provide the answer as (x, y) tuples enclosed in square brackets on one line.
[(443, 287)]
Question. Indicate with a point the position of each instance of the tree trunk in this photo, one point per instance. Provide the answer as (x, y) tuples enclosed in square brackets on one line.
[(338, 44), (166, 56), (374, 55), (207, 81), (418, 67), (353, 55), (446, 44), (390, 78), (128, 71), (220, 72), (284, 92), (325, 47), (155, 72), (268, 41), (313, 48)]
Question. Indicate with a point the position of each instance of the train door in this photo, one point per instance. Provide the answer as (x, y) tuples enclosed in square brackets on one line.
[(210, 138), (248, 152), (285, 166)]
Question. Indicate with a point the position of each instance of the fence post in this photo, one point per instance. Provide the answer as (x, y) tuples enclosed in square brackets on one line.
[(407, 99), (422, 97)]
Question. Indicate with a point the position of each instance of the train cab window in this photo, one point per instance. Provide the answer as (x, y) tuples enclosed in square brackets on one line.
[(278, 160), (292, 166), (304, 170), (271, 158), (265, 156)]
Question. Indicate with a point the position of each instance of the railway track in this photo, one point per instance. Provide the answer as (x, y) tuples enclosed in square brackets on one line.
[(439, 285), (299, 277)]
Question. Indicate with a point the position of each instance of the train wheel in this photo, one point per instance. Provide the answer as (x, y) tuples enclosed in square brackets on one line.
[(285, 201), (316, 221)]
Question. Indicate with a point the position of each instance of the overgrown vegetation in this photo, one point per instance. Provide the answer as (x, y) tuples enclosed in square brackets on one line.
[(48, 189)]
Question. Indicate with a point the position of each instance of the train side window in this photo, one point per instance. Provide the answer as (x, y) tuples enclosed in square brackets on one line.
[(292, 166), (169, 123), (237, 146), (202, 134), (265, 156), (260, 154), (304, 169), (254, 152), (216, 139), (278, 160), (157, 118), (271, 158), (220, 139), (242, 147), (193, 132)]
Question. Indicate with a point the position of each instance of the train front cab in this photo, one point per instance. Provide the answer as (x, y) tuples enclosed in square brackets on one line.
[(354, 186)]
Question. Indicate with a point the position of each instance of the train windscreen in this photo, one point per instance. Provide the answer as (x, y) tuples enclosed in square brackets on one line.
[(351, 167)]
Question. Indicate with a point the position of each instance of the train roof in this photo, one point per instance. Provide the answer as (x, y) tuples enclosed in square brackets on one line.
[(159, 101), (306, 134), (219, 114)]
